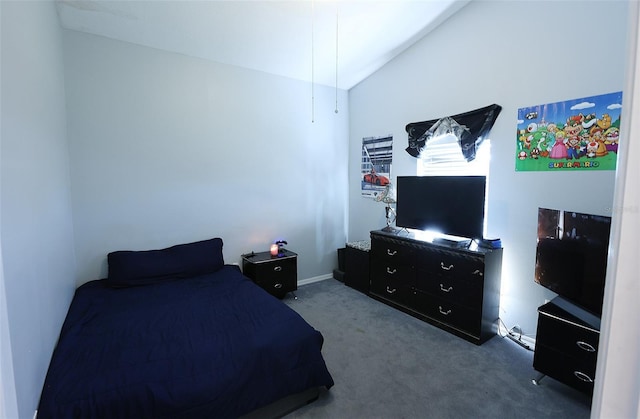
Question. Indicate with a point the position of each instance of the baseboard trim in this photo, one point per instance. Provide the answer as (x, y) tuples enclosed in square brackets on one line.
[(311, 280)]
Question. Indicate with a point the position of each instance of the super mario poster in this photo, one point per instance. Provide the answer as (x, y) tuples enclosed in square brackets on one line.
[(579, 134)]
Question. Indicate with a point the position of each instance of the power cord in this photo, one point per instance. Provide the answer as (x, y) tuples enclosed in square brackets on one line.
[(500, 328), (515, 334)]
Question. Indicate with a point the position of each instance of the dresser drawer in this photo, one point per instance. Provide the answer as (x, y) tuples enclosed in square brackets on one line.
[(391, 281), (392, 289), (390, 269), (390, 252), (449, 264), (464, 292), (454, 315)]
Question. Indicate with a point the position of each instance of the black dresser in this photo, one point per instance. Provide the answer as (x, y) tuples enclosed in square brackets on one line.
[(456, 289)]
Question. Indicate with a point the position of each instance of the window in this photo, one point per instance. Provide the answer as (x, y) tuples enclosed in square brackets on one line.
[(442, 156)]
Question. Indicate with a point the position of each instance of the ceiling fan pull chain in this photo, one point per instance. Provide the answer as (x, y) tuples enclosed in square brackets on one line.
[(313, 17), (336, 111)]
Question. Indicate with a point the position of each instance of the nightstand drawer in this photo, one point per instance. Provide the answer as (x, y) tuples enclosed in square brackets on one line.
[(579, 374), (275, 270), (574, 341)]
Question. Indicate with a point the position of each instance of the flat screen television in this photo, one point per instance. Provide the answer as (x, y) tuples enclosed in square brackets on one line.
[(571, 256), (452, 205)]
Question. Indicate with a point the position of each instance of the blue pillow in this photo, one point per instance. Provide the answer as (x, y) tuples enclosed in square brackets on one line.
[(132, 268)]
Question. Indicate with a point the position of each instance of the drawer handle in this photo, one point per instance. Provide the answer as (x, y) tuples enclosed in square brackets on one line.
[(442, 288), (391, 291), (446, 313), (391, 271), (477, 272), (277, 268), (585, 346), (582, 376), (277, 286), (445, 267), (391, 252)]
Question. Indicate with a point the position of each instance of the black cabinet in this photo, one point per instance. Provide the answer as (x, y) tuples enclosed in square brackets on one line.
[(357, 265), (278, 275), (567, 344), (457, 289)]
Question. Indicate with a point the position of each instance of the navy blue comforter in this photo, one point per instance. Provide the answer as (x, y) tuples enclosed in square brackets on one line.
[(214, 345)]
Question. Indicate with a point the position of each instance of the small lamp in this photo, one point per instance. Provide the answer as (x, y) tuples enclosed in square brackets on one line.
[(274, 249), (277, 248), (388, 197)]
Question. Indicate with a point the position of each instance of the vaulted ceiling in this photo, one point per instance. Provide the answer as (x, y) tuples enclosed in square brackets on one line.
[(334, 43)]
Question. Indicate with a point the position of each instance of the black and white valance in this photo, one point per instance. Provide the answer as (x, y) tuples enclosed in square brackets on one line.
[(470, 128)]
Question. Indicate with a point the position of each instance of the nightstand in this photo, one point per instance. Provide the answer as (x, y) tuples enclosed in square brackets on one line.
[(277, 275)]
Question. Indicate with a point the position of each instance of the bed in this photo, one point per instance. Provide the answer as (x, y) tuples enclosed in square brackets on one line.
[(177, 333)]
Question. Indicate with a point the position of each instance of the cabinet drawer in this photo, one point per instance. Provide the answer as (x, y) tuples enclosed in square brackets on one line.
[(574, 341), (392, 291), (388, 269), (391, 252), (575, 373), (467, 293), (451, 314), (445, 263)]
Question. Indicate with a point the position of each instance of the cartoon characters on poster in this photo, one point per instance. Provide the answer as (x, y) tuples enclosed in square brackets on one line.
[(576, 134)]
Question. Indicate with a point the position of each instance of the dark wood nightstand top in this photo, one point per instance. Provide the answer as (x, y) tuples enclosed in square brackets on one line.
[(262, 257)]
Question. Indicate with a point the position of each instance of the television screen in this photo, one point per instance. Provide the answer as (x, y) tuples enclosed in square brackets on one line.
[(571, 256), (452, 205)]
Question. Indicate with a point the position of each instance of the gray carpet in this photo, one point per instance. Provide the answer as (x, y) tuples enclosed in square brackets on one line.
[(387, 364)]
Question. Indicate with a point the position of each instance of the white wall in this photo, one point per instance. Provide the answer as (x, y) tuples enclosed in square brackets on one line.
[(35, 224), (167, 149), (617, 389), (515, 54)]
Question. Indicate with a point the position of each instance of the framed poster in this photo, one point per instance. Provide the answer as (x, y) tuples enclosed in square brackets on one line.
[(579, 134), (375, 167)]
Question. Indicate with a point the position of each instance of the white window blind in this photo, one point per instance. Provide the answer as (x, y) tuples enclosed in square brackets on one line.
[(442, 156)]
